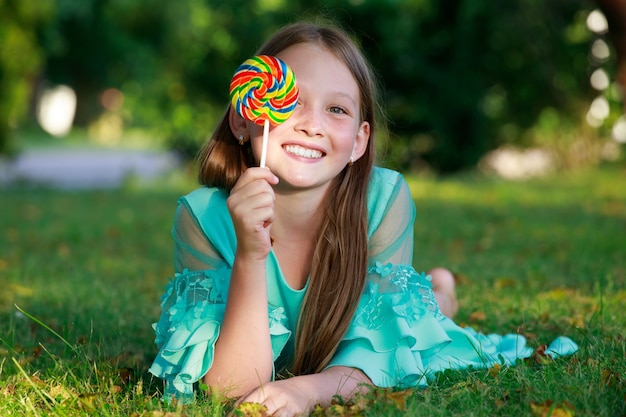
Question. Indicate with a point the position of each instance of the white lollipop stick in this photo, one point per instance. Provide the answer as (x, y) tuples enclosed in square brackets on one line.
[(266, 134)]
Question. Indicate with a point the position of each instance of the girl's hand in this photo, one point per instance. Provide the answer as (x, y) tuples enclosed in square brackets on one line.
[(298, 396), (251, 206), (282, 398)]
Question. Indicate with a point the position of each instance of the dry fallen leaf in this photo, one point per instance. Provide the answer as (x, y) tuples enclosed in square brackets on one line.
[(88, 401), (399, 398), (249, 409), (501, 283), (162, 414), (611, 378), (549, 409), (539, 356), (59, 392), (115, 389), (343, 410), (477, 316), (494, 371), (126, 375)]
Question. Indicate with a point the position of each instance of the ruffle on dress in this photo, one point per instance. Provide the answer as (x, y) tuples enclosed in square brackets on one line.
[(398, 336), (192, 312)]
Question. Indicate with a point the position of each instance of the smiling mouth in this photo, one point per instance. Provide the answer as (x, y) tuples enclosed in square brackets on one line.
[(303, 152)]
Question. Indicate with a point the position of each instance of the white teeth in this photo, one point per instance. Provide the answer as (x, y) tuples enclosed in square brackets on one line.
[(303, 152)]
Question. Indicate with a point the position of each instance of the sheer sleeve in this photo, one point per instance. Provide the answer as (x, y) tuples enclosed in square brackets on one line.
[(391, 224), (192, 309), (192, 249)]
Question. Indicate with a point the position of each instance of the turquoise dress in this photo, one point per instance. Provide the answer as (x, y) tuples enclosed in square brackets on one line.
[(397, 337)]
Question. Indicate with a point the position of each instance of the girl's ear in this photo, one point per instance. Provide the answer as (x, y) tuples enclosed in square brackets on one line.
[(237, 124), (361, 141)]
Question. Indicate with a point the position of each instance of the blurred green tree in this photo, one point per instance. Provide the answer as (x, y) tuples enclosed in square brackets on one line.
[(462, 77), (21, 59)]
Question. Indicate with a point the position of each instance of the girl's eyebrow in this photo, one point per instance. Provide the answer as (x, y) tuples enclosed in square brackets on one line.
[(339, 94), (344, 95)]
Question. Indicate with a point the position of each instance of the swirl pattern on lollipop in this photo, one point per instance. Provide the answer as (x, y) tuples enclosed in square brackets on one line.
[(264, 89)]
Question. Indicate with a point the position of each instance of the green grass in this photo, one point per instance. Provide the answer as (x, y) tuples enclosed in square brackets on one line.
[(545, 258)]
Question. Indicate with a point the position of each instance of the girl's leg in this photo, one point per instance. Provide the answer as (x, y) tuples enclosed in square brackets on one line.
[(444, 289)]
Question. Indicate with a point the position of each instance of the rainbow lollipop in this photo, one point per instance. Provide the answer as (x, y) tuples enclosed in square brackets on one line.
[(264, 91)]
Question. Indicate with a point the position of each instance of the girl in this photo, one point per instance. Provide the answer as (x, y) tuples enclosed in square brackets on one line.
[(303, 268)]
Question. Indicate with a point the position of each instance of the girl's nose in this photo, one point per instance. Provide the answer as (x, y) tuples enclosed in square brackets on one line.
[(308, 120)]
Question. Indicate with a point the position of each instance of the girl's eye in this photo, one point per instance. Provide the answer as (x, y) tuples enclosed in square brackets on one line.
[(337, 110)]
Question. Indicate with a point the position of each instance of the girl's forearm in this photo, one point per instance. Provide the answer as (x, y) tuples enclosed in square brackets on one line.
[(243, 356)]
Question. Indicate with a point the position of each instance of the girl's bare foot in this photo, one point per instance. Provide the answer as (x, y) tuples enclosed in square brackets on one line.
[(444, 289)]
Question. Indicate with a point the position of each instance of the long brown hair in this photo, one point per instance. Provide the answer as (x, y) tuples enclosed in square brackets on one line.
[(339, 265)]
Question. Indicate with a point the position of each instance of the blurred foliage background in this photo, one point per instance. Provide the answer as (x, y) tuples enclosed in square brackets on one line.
[(459, 78)]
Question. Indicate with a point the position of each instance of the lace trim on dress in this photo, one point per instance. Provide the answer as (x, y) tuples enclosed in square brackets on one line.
[(188, 296), (408, 293)]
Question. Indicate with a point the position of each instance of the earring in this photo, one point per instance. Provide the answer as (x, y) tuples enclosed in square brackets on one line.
[(351, 161), (241, 139)]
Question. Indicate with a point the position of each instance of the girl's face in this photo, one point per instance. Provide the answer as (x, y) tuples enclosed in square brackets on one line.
[(325, 130)]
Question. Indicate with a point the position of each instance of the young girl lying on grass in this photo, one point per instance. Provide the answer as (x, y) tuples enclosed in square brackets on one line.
[(303, 268)]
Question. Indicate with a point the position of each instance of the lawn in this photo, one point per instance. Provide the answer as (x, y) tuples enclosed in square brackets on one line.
[(82, 272)]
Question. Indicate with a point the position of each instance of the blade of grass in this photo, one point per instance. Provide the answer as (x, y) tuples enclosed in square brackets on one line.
[(45, 326), (47, 400), (5, 343)]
